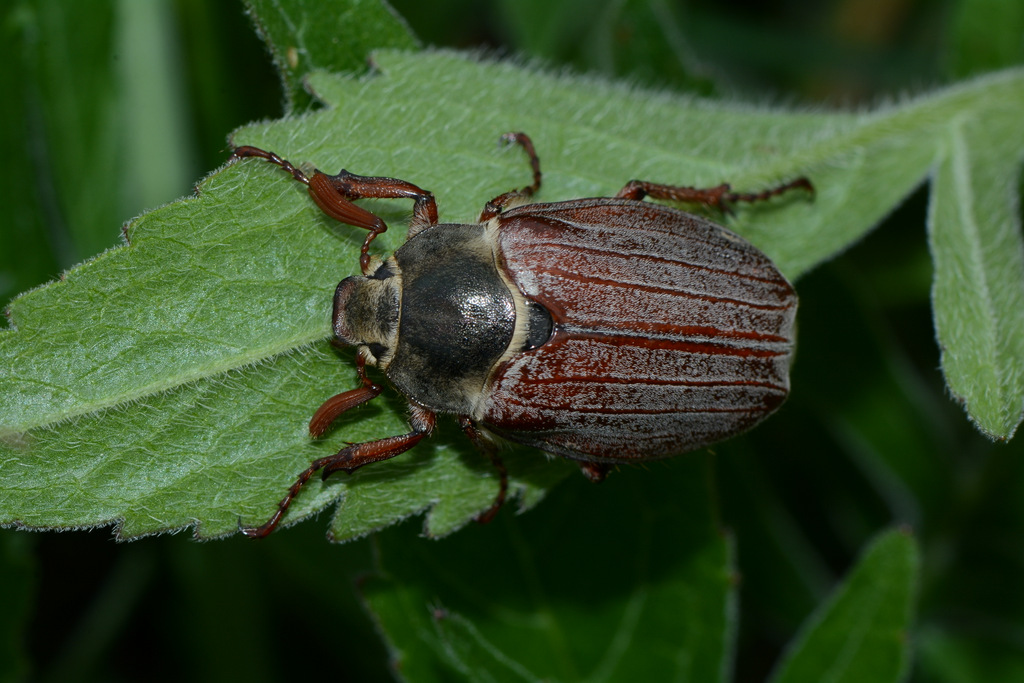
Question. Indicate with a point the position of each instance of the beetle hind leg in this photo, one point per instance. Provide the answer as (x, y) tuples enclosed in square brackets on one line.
[(719, 197), (594, 471), (488, 447)]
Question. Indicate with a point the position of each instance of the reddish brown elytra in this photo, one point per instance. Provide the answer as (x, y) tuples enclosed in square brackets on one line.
[(603, 330)]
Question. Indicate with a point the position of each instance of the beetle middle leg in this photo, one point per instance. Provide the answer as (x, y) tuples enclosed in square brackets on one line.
[(503, 201), (719, 197)]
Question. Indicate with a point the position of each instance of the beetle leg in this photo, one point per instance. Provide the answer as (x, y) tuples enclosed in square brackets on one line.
[(719, 197), (247, 151), (271, 524), (594, 471), (502, 201), (355, 455), (334, 195), (349, 459), (488, 447), (333, 407)]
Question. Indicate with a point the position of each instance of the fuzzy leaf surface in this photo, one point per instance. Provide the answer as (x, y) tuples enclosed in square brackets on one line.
[(168, 383), (978, 249)]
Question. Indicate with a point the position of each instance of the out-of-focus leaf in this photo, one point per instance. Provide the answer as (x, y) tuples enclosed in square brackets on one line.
[(103, 143), (949, 657), (862, 632), (310, 35), (645, 40), (632, 580), (16, 590), (985, 36), (782, 573), (27, 255)]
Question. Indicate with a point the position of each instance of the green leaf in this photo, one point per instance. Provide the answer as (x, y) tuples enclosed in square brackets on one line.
[(636, 584), (89, 138), (862, 632), (976, 242), (782, 572), (310, 35), (27, 255), (889, 418), (168, 382), (985, 35), (639, 39), (953, 657), (17, 590)]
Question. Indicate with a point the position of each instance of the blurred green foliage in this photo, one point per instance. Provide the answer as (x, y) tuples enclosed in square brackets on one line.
[(117, 106)]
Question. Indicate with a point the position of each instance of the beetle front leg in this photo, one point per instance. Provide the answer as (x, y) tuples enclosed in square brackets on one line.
[(488, 447), (334, 195), (349, 459), (332, 408), (719, 197)]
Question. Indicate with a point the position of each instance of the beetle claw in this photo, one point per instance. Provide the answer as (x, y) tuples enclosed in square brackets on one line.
[(489, 514), (261, 531)]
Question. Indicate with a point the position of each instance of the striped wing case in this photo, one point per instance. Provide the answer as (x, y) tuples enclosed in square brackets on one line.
[(670, 332)]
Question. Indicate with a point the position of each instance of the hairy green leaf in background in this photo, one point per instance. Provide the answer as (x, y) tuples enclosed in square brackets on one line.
[(168, 383), (978, 295)]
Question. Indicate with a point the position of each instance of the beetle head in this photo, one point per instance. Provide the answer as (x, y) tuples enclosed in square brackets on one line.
[(366, 312)]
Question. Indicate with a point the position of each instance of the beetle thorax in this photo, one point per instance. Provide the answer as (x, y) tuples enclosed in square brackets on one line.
[(439, 317), (457, 317)]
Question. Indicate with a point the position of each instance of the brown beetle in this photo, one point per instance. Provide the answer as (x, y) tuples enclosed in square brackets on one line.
[(602, 330)]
